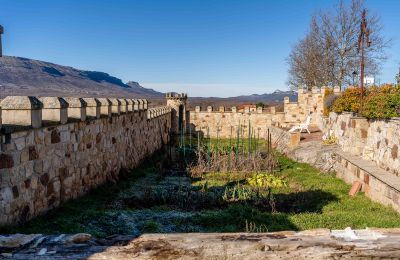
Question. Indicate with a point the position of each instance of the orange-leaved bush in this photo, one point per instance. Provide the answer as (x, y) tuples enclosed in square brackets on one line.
[(329, 98), (348, 101)]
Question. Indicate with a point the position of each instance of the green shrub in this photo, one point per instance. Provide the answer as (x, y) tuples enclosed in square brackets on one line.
[(381, 105), (379, 102)]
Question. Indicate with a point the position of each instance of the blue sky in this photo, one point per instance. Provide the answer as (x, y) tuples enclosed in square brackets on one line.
[(204, 48)]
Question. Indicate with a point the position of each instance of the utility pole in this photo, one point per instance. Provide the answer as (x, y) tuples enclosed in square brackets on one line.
[(1, 48), (1, 32), (362, 37), (398, 78)]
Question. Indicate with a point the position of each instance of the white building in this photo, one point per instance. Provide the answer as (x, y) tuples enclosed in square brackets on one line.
[(369, 80)]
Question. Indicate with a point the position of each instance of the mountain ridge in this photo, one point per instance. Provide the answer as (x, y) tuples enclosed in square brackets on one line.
[(23, 76)]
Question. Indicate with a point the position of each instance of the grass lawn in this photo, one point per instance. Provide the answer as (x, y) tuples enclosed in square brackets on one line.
[(146, 200)]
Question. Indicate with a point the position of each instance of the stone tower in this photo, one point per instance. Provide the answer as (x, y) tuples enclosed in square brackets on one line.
[(177, 101)]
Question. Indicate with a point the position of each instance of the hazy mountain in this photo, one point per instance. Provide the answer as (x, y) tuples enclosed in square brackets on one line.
[(274, 98), (21, 76)]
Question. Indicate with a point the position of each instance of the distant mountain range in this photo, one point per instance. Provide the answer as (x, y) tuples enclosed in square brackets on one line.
[(274, 98), (22, 76)]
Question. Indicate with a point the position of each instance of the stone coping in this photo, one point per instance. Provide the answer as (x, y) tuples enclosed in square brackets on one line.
[(53, 102), (75, 102), (355, 116), (104, 101), (20, 113), (21, 103), (237, 112), (372, 169), (115, 101), (92, 102)]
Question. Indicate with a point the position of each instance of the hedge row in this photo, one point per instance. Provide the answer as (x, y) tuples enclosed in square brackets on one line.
[(379, 102)]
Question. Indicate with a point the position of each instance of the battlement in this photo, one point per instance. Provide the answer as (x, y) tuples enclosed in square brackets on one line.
[(222, 109), (174, 95), (158, 111), (24, 112), (316, 90)]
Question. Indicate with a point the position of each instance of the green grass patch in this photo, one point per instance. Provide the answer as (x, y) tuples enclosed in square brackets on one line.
[(177, 203)]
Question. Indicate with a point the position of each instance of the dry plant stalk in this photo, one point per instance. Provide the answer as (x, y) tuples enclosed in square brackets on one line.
[(229, 161)]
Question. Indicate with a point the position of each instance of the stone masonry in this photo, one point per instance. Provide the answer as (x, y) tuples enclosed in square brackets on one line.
[(373, 140), (177, 102), (47, 162), (226, 123)]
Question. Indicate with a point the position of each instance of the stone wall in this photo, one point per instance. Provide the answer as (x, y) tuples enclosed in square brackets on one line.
[(374, 140), (41, 167), (307, 102), (224, 123)]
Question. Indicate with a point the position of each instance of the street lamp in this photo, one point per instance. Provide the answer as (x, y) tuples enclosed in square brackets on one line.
[(354, 76)]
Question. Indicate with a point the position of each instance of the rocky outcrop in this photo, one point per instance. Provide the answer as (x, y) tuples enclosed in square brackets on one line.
[(315, 153)]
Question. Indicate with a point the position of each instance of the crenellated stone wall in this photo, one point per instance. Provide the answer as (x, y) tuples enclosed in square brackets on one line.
[(307, 102), (54, 149), (373, 140), (226, 124)]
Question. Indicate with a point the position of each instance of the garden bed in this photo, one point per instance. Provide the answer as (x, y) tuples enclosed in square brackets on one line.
[(162, 197)]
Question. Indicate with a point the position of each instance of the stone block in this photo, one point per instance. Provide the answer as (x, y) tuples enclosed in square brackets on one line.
[(145, 104), (23, 111), (222, 109), (115, 106), (93, 106), (314, 90), (209, 109), (55, 110), (135, 104), (294, 139), (234, 109), (130, 104), (197, 109), (76, 108), (105, 107), (272, 110), (6, 161), (286, 100), (141, 104), (124, 105), (259, 110)]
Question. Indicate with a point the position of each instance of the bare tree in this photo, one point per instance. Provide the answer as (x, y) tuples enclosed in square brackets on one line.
[(334, 39), (305, 59)]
